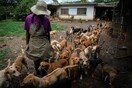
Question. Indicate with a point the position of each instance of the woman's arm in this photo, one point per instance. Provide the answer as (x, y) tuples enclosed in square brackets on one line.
[(27, 37)]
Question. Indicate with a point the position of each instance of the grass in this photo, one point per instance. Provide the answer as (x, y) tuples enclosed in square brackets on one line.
[(55, 26), (3, 53), (11, 28), (1, 39), (15, 28)]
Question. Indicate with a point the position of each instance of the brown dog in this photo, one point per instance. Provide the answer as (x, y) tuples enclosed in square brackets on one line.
[(111, 73), (21, 65), (16, 68), (63, 43), (49, 67), (66, 52), (56, 75), (75, 59), (86, 43)]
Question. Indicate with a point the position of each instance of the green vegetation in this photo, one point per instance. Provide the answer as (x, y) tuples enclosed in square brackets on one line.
[(15, 28), (55, 26), (11, 28), (3, 53), (1, 39), (22, 9)]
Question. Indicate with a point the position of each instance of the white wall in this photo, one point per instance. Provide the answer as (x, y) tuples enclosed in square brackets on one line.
[(73, 11)]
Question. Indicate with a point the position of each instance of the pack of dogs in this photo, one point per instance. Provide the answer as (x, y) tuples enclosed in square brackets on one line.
[(70, 61)]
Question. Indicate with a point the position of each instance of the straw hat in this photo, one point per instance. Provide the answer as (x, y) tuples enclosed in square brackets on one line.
[(40, 8)]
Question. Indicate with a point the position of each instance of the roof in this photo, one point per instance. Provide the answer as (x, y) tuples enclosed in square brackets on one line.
[(71, 4), (105, 5), (80, 4)]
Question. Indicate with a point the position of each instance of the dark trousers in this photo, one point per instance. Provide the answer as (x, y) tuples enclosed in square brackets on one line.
[(37, 64)]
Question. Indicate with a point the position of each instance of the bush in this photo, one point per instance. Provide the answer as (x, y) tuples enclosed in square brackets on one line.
[(2, 13), (23, 9)]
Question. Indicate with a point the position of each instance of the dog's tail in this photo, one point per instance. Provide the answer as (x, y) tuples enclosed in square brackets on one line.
[(9, 64)]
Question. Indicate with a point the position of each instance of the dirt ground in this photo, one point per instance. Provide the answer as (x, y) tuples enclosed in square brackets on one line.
[(109, 54)]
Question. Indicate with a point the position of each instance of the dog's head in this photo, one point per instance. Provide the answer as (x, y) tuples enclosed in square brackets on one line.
[(77, 60), (29, 80), (64, 55), (85, 62), (44, 66), (14, 70)]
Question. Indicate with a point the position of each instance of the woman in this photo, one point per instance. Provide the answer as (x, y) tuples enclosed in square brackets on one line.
[(38, 28)]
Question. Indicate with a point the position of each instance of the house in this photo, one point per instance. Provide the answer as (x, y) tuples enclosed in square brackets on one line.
[(83, 11)]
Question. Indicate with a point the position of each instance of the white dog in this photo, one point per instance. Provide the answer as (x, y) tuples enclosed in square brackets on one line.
[(3, 75)]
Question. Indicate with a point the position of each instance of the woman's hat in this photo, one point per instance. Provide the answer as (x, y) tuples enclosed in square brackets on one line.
[(40, 8)]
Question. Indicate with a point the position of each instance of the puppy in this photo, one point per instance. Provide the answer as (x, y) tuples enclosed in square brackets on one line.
[(49, 67), (56, 75), (3, 74), (111, 73)]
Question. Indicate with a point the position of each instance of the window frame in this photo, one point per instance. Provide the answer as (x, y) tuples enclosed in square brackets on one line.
[(80, 11), (65, 12)]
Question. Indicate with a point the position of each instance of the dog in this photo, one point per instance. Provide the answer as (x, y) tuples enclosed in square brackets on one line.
[(49, 67), (3, 75), (53, 33), (111, 73), (76, 30), (66, 52), (56, 75), (76, 40), (86, 43), (21, 65), (75, 59), (85, 63), (63, 44), (94, 62), (64, 55), (16, 68)]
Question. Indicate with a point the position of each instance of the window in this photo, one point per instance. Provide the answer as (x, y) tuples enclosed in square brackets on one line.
[(64, 11), (81, 11)]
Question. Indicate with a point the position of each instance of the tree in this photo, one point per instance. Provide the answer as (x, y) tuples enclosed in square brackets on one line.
[(56, 1), (84, 1), (98, 1), (23, 9)]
